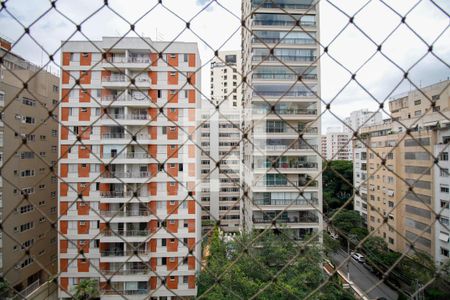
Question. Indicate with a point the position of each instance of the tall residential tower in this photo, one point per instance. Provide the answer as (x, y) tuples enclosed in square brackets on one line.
[(282, 185), (128, 168)]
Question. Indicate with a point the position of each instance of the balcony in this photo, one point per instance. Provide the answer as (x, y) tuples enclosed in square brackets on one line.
[(272, 76), (129, 155), (283, 58), (290, 23), (256, 5), (118, 213), (291, 183), (115, 78), (286, 41), (119, 252), (121, 194), (143, 117), (283, 94), (142, 271), (287, 130), (125, 292), (113, 136), (126, 232), (143, 174), (285, 220), (284, 202)]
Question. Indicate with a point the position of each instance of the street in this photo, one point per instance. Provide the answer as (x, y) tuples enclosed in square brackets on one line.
[(363, 278)]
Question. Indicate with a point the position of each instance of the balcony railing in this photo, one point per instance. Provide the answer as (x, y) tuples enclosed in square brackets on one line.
[(130, 213), (291, 183), (125, 292), (289, 165), (123, 98), (114, 78), (120, 252), (285, 220), (282, 5), (282, 40), (282, 23), (287, 111), (121, 194), (271, 76), (127, 155), (116, 59), (126, 232), (283, 58), (287, 147), (139, 59), (119, 174), (300, 201), (127, 272), (127, 116), (113, 136), (287, 130)]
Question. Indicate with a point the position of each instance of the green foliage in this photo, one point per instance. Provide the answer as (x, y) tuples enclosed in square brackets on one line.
[(349, 222), (336, 190), (246, 267), (4, 289), (87, 289), (330, 245)]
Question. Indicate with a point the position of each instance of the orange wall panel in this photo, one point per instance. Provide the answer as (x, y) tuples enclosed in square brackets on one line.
[(191, 225), (84, 151), (172, 169), (154, 57), (85, 77), (66, 58), (153, 75), (63, 188), (65, 95), (173, 96), (172, 284), (172, 77), (84, 115), (83, 208), (64, 133), (64, 113), (172, 60), (191, 96), (63, 244), (172, 226), (64, 283), (172, 190), (172, 152), (64, 151), (172, 133), (172, 208), (153, 188), (85, 96), (191, 60), (191, 281), (85, 59), (64, 169), (83, 228), (172, 265), (172, 114), (65, 77), (172, 245), (191, 151), (191, 168), (63, 226), (191, 206), (191, 263), (83, 171), (83, 265)]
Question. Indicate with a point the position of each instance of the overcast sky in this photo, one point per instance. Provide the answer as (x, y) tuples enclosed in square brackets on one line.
[(215, 25)]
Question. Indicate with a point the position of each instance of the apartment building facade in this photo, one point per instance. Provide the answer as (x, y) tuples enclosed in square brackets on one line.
[(406, 191), (28, 148), (129, 167), (336, 145), (282, 181), (362, 118), (226, 78), (220, 141)]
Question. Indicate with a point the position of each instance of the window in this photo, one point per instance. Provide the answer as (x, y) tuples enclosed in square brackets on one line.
[(28, 101), (445, 252), (445, 189), (26, 173), (417, 102), (443, 156), (2, 97), (444, 172), (28, 120)]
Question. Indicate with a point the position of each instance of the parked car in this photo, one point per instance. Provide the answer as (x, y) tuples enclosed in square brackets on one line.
[(372, 269), (358, 257)]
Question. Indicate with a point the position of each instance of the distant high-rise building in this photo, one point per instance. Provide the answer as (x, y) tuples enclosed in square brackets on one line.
[(28, 148), (362, 118), (129, 167), (282, 181), (336, 144), (220, 141), (404, 190), (226, 78)]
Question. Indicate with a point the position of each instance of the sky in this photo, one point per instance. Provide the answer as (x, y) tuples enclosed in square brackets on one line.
[(216, 26)]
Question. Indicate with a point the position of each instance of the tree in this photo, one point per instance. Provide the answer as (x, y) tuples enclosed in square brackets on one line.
[(349, 222), (337, 178), (245, 266), (87, 289), (4, 289)]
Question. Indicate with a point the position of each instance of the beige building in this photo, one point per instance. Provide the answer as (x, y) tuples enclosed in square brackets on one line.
[(28, 147), (407, 193), (336, 144)]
